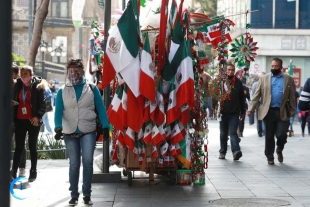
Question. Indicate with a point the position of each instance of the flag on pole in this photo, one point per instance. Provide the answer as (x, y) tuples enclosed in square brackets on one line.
[(147, 83), (290, 71), (184, 78), (115, 110), (129, 139), (162, 35), (122, 51), (185, 156)]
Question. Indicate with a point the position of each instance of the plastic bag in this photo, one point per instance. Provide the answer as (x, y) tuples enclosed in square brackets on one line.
[(98, 160)]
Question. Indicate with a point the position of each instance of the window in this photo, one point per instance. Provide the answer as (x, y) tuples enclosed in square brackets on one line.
[(59, 8), (304, 14), (22, 3), (262, 18), (285, 14)]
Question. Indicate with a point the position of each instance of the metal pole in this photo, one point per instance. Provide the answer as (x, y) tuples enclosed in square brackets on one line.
[(5, 103), (106, 92), (123, 4), (30, 19)]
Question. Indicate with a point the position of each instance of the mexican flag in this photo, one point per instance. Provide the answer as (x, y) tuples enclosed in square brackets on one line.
[(184, 77), (120, 138), (157, 113), (185, 156), (147, 137), (122, 52), (115, 110), (147, 83), (146, 110), (124, 106), (173, 113), (185, 114), (157, 138), (177, 36), (129, 139), (135, 106), (168, 132), (176, 135)]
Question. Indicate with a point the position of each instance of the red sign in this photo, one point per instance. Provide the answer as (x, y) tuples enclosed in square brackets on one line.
[(296, 76)]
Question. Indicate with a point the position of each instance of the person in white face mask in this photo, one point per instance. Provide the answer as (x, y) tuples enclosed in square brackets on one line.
[(27, 114), (75, 122)]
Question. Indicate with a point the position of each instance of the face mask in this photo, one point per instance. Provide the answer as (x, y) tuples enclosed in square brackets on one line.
[(74, 76), (25, 80), (275, 71)]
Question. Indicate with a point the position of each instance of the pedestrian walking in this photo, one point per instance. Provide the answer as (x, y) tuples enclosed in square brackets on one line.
[(75, 120), (276, 93), (291, 130), (49, 108), (28, 92), (22, 164), (260, 124), (232, 109)]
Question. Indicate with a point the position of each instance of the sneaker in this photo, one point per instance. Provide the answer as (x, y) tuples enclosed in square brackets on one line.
[(222, 156), (73, 201), (270, 162), (32, 175), (22, 172), (237, 155), (87, 200)]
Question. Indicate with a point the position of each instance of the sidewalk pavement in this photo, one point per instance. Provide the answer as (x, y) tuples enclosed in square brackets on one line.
[(247, 182)]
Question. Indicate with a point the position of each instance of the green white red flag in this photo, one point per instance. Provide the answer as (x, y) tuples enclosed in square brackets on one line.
[(122, 51), (147, 84)]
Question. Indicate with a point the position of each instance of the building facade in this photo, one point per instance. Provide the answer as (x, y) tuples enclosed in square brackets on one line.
[(58, 30), (281, 28)]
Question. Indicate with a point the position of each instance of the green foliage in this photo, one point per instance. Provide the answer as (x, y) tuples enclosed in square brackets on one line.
[(208, 6), (20, 61), (42, 144)]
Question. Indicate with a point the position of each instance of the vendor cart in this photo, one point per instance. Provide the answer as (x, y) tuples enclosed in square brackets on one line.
[(152, 167)]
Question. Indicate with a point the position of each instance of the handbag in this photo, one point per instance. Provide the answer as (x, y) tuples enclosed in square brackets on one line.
[(49, 107)]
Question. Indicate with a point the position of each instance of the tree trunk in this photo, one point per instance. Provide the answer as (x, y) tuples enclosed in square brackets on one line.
[(40, 16)]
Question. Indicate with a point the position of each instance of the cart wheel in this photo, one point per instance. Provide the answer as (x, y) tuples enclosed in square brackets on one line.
[(129, 178), (125, 172)]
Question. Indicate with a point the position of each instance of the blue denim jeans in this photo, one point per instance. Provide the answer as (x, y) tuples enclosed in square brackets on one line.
[(84, 146), (46, 122), (229, 123)]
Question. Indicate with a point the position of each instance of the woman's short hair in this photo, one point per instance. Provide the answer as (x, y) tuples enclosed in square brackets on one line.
[(78, 63)]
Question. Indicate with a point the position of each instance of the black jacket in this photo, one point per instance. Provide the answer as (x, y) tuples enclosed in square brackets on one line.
[(38, 104), (236, 102)]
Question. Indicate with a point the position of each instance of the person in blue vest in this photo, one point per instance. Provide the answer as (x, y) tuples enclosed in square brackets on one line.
[(75, 121)]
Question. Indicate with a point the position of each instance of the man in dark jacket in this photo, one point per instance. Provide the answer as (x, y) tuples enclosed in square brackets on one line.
[(232, 109), (304, 99)]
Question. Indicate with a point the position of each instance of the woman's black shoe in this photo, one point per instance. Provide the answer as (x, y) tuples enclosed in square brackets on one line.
[(32, 176)]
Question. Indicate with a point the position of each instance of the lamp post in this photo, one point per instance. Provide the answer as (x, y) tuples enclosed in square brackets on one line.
[(45, 46), (58, 51)]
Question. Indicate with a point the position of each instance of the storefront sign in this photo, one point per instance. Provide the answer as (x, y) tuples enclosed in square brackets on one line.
[(300, 43), (287, 43)]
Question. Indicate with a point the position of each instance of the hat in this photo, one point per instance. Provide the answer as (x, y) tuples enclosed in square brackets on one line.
[(27, 67)]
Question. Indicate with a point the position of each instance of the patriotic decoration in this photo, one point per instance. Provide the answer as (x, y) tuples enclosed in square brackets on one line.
[(157, 107)]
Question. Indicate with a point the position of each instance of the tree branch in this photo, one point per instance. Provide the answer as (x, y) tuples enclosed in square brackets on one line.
[(40, 17)]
